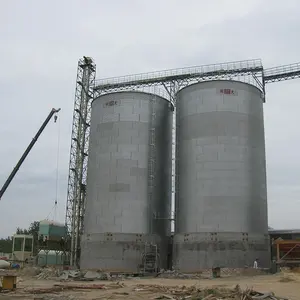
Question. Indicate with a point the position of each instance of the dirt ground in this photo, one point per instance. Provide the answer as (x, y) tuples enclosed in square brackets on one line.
[(283, 285)]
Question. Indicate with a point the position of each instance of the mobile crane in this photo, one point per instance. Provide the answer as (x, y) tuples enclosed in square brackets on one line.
[(28, 149)]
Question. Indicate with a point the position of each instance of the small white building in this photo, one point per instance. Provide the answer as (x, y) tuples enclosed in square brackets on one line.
[(22, 247)]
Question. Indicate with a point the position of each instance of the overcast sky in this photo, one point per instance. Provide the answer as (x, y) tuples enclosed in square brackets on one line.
[(41, 42)]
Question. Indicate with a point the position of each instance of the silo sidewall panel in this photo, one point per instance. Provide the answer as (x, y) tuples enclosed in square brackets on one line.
[(221, 176), (128, 194)]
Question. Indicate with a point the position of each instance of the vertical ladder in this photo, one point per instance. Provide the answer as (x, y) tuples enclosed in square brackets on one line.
[(152, 161), (150, 259), (150, 250)]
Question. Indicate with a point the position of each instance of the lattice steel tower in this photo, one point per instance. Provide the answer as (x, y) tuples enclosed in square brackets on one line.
[(84, 93)]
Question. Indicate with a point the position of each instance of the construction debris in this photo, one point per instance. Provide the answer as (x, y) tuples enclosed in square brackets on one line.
[(48, 273), (62, 291), (176, 293), (207, 273), (175, 274), (80, 275), (71, 274), (116, 289), (97, 275), (77, 275), (55, 297), (63, 287)]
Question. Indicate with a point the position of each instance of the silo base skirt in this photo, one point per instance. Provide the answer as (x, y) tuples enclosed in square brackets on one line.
[(122, 253), (195, 252)]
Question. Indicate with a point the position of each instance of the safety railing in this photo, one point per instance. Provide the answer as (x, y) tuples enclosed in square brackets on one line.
[(187, 71)]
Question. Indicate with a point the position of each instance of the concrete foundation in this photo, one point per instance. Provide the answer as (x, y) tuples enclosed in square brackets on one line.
[(197, 251), (123, 253)]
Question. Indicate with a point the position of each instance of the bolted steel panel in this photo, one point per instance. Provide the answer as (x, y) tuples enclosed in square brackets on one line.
[(129, 176), (220, 166)]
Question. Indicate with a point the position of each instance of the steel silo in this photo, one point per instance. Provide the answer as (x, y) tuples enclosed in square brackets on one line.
[(221, 194), (126, 223)]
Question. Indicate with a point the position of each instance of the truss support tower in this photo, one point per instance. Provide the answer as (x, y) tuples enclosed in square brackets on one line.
[(84, 95)]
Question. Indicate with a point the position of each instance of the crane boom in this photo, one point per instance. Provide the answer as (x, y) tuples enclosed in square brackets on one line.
[(28, 149)]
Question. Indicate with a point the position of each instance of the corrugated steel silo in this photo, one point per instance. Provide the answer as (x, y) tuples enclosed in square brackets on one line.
[(129, 183), (221, 194)]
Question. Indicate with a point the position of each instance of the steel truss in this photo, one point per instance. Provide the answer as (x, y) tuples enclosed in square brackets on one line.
[(281, 73), (250, 71), (167, 82), (84, 95)]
